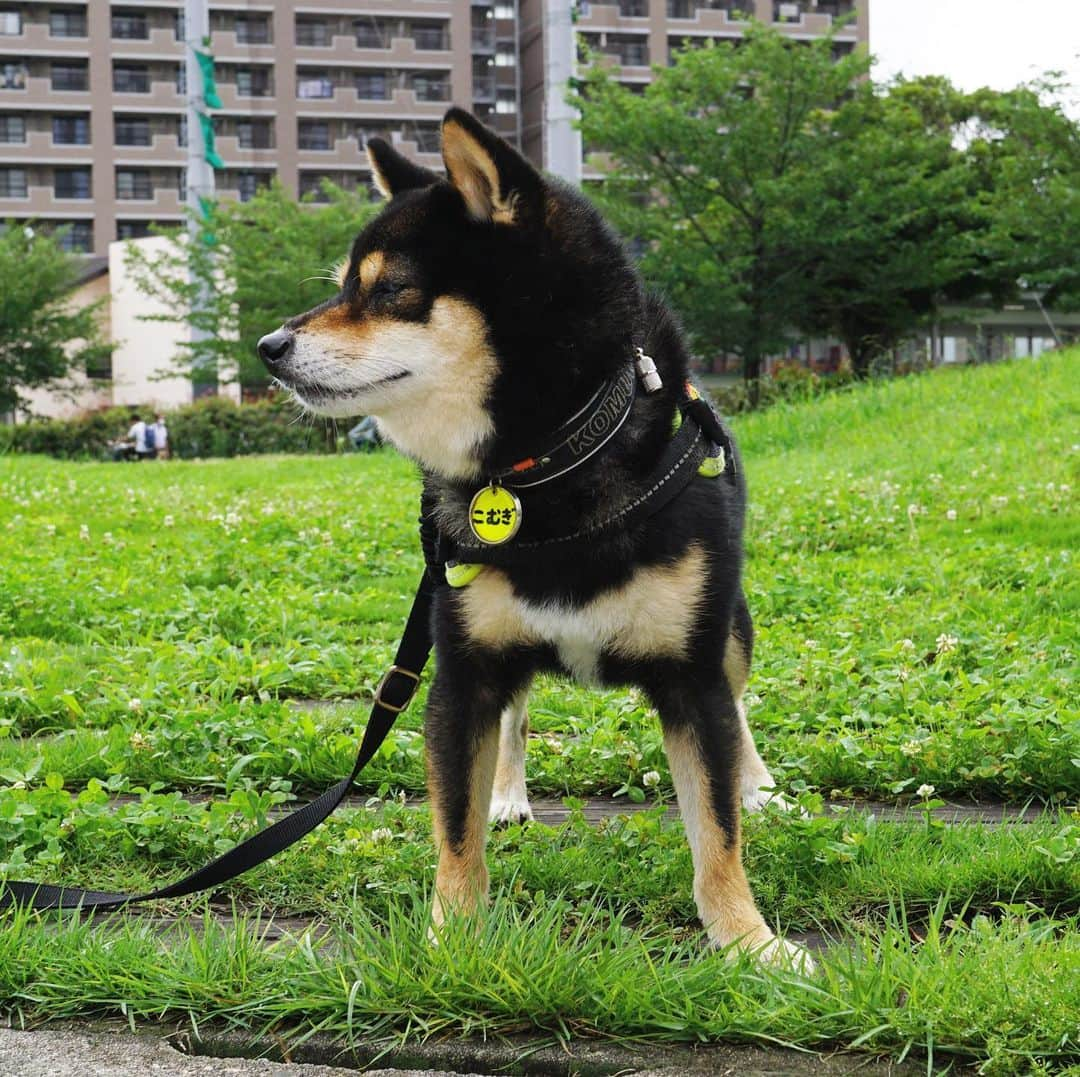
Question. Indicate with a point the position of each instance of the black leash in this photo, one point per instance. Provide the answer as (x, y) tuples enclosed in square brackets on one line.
[(700, 430), (393, 695)]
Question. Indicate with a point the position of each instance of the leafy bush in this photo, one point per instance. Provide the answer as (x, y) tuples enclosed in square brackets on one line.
[(789, 383), (213, 426)]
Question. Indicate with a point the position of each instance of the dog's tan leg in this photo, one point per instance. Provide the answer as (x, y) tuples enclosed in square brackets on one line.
[(756, 785), (509, 798), (460, 829), (721, 891)]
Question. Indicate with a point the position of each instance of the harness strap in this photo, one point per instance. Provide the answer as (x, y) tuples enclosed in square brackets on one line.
[(677, 467), (393, 695)]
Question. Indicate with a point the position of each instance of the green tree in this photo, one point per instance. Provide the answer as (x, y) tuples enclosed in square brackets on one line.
[(897, 225), (1025, 151), (715, 166), (43, 338), (257, 263)]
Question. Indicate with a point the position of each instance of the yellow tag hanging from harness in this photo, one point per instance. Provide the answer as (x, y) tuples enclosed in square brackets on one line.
[(494, 515)]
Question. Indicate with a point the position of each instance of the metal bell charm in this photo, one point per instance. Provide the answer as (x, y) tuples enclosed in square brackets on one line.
[(651, 381)]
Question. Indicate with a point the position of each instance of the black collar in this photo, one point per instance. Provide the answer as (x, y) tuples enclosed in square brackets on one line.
[(580, 437)]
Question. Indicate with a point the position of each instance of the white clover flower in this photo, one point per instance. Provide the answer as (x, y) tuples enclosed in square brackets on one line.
[(138, 741), (998, 500), (107, 538), (946, 643), (950, 514), (650, 778), (168, 521), (910, 748), (135, 704), (925, 791), (903, 674), (84, 532), (383, 833), (50, 529), (232, 518), (907, 645)]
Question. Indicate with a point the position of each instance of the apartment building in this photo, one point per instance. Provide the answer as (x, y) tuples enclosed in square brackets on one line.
[(93, 94), (93, 98)]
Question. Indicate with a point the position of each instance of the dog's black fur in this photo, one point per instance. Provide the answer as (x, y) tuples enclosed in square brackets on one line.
[(564, 308)]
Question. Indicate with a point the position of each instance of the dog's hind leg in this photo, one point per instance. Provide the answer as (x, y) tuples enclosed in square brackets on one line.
[(702, 726), (756, 785), (509, 798)]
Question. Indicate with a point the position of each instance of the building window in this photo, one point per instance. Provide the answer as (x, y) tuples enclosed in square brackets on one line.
[(10, 23), (363, 134), (69, 77), (370, 34), (426, 137), (313, 86), (134, 183), (133, 229), (12, 182), (132, 131), (505, 57), (130, 26), (181, 79), (12, 128), (67, 24), (313, 33), (252, 82), (506, 102), (13, 76), (504, 11), (252, 30), (134, 79), (248, 184), (71, 183), (181, 26), (430, 36), (77, 237), (431, 88), (373, 86), (71, 130), (314, 135), (254, 135)]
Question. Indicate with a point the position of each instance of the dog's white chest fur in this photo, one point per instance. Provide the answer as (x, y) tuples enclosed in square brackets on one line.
[(651, 615)]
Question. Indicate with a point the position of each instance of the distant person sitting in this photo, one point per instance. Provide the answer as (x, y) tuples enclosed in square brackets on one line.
[(138, 435), (160, 434)]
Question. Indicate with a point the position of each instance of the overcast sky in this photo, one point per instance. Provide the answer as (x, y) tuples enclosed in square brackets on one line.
[(997, 43)]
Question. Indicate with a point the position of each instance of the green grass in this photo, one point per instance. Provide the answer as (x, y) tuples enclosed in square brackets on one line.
[(911, 573)]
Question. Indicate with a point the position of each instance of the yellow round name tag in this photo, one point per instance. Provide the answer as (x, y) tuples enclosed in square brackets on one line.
[(494, 515)]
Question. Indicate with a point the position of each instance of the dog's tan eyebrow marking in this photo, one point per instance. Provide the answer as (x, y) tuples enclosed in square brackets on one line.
[(370, 268)]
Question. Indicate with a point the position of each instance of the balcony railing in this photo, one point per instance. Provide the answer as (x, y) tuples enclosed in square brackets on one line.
[(483, 37), (794, 10), (427, 39), (688, 9)]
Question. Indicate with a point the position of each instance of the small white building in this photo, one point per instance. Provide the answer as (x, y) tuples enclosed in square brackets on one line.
[(141, 372)]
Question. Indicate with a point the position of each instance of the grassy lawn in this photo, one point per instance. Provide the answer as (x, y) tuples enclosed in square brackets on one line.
[(912, 577)]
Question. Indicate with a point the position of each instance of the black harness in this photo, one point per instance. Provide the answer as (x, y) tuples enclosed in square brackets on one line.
[(700, 435)]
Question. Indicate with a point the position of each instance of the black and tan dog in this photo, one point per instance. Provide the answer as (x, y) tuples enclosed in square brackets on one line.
[(476, 315)]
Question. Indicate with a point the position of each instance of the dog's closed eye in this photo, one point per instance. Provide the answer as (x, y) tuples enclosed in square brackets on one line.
[(387, 289)]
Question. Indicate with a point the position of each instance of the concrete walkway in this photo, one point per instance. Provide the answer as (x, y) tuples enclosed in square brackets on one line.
[(112, 1050)]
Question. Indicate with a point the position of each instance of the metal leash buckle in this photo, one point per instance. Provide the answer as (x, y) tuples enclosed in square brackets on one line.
[(393, 708)]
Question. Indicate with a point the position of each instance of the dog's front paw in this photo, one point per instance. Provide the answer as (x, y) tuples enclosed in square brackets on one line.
[(510, 808), (781, 954)]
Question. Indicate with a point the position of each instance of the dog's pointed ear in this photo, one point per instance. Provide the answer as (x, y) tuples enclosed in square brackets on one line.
[(495, 181), (393, 172)]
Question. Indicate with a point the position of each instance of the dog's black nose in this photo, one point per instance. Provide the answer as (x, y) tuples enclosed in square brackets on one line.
[(276, 347)]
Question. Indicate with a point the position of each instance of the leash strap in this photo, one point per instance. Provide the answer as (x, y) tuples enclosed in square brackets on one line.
[(393, 695)]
